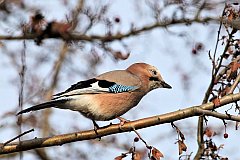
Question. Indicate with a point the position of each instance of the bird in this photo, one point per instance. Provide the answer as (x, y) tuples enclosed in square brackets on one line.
[(109, 95)]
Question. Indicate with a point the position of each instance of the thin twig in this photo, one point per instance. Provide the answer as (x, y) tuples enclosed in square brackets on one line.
[(20, 135), (218, 115), (209, 90), (21, 90), (22, 79), (216, 46), (139, 136), (234, 85)]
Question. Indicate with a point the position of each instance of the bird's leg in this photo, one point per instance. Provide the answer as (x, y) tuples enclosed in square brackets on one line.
[(122, 121), (96, 126)]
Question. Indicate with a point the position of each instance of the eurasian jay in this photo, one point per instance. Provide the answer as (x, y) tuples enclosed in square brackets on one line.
[(109, 95)]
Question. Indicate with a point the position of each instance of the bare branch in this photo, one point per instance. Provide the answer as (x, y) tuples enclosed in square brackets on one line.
[(114, 129), (118, 36), (139, 136), (234, 85), (215, 71), (218, 115)]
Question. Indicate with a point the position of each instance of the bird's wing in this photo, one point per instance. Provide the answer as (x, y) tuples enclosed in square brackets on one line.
[(96, 86), (122, 77)]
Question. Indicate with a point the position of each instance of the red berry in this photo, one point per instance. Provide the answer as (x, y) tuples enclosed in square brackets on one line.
[(117, 19), (194, 51), (225, 135), (136, 139)]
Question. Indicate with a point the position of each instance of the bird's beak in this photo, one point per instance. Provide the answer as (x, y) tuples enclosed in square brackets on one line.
[(165, 85)]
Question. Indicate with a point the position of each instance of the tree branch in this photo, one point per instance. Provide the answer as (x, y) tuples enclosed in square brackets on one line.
[(20, 135), (118, 36), (234, 85), (217, 115), (114, 129), (215, 74)]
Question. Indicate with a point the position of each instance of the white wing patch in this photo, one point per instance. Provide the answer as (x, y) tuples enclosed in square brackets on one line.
[(94, 89)]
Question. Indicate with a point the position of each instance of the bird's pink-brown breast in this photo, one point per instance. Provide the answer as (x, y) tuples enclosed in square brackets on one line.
[(110, 105)]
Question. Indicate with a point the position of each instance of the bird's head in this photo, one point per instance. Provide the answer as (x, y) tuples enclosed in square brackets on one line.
[(149, 75)]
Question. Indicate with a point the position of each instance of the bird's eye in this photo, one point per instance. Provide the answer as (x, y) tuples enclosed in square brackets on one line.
[(154, 72)]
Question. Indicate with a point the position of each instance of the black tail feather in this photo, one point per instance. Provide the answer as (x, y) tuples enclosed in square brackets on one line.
[(42, 106)]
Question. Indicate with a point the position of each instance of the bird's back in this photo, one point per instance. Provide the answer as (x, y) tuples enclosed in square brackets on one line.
[(122, 77)]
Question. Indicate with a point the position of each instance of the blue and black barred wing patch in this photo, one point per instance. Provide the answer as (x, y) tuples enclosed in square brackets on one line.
[(118, 88), (114, 87)]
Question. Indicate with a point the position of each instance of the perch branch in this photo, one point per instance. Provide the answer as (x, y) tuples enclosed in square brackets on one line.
[(114, 129)]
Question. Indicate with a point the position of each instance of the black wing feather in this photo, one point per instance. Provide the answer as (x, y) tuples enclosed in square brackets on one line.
[(82, 84), (105, 84), (88, 83)]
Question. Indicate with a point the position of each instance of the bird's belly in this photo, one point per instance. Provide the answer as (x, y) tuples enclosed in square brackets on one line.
[(85, 105), (103, 107)]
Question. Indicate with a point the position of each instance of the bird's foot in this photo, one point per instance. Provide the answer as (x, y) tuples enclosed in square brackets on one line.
[(122, 121)]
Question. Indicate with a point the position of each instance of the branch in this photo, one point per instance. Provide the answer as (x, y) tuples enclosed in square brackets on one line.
[(118, 36), (217, 115), (20, 135), (215, 71), (114, 129), (234, 85)]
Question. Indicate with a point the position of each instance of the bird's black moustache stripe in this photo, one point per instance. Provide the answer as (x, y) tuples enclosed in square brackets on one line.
[(153, 79)]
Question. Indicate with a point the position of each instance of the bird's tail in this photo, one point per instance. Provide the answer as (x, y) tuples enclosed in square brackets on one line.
[(49, 104)]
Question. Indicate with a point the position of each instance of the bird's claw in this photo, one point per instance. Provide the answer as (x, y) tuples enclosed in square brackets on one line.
[(122, 122)]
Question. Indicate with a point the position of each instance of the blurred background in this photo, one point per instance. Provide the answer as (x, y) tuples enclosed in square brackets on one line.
[(46, 46)]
